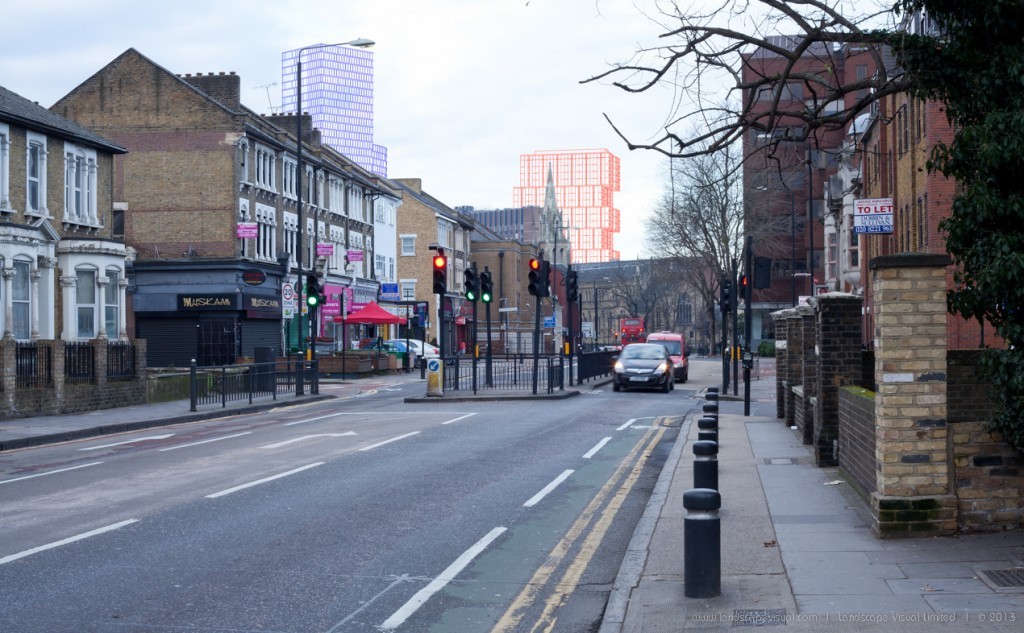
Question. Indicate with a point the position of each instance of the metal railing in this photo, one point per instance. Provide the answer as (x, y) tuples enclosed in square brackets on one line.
[(511, 372), (79, 363), (230, 383), (120, 360), (33, 365)]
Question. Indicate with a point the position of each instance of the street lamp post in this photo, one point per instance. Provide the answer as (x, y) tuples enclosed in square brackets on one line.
[(301, 177)]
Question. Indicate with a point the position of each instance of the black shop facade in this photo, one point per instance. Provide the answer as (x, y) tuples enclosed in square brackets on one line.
[(212, 312)]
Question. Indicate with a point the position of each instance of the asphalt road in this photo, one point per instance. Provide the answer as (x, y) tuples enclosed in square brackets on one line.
[(363, 514)]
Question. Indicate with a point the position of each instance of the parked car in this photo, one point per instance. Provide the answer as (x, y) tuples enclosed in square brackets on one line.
[(419, 348), (643, 365), (675, 343)]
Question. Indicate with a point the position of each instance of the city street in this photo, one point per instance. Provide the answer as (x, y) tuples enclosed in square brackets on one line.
[(354, 514)]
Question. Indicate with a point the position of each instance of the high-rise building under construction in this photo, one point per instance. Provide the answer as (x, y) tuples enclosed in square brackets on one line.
[(585, 182)]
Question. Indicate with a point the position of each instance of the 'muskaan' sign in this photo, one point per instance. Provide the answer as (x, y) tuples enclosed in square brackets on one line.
[(872, 215)]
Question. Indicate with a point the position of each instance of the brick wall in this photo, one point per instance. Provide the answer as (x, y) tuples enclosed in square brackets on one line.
[(838, 336), (857, 437), (781, 335), (808, 362)]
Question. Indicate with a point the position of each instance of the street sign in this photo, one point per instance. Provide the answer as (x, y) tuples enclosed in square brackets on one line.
[(549, 321), (872, 215)]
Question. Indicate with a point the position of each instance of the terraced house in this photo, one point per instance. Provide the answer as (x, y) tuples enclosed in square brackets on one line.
[(63, 266), (221, 216)]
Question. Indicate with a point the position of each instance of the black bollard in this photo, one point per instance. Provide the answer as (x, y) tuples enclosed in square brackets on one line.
[(711, 396), (707, 429), (705, 464), (713, 389), (711, 407), (702, 544)]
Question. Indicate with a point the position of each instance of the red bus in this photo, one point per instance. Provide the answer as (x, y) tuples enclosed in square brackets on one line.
[(632, 330)]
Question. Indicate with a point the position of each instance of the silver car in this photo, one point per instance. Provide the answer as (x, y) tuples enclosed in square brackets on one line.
[(420, 349)]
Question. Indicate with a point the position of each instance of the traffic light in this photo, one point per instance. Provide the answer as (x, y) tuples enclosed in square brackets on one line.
[(314, 293), (725, 298), (486, 287), (471, 281), (440, 273), (572, 286), (538, 277)]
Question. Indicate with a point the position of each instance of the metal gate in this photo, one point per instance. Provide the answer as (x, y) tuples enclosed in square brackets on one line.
[(218, 341)]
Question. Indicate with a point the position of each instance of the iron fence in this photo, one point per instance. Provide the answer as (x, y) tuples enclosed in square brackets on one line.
[(79, 363), (120, 360), (230, 383), (509, 372), (33, 365)]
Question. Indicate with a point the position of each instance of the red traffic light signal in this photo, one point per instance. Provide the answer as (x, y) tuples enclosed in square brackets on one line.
[(538, 278), (440, 274)]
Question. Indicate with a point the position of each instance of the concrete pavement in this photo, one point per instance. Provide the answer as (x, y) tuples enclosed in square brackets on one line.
[(798, 550)]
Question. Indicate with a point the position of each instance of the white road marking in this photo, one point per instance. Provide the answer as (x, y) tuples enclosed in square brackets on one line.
[(626, 425), (399, 617), (70, 539), (394, 439), (52, 472), (216, 439), (596, 448), (461, 417), (307, 437), (138, 439), (263, 481), (535, 499), (341, 413)]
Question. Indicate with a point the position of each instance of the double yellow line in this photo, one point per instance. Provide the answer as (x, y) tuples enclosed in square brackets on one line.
[(611, 497)]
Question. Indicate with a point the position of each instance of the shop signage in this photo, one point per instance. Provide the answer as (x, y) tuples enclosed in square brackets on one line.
[(872, 215), (354, 256), (389, 292), (246, 230), (324, 250), (226, 301), (253, 277), (261, 304)]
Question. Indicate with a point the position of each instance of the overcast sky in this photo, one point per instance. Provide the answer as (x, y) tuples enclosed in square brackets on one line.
[(462, 87)]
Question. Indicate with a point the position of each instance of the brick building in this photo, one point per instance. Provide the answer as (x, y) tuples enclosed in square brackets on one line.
[(425, 221), (209, 191)]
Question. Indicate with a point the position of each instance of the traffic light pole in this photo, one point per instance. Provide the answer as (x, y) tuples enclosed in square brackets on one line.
[(735, 329)]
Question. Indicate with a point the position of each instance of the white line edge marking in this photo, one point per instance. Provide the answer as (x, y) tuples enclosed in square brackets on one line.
[(263, 481), (461, 417), (138, 439), (626, 425), (69, 540), (535, 499), (307, 437), (596, 448), (394, 439), (399, 617), (216, 439), (52, 472)]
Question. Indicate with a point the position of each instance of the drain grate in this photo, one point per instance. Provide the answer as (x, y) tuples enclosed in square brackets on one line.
[(1005, 578), (759, 617)]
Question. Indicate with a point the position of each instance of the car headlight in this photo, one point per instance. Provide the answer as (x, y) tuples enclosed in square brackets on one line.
[(678, 365), (618, 367), (662, 368)]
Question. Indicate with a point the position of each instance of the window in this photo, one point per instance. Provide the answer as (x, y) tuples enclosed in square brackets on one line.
[(35, 174), (291, 235), (5, 168), (243, 216), (111, 303), (266, 237), (289, 177), (80, 186), (408, 289), (408, 244), (266, 163), (243, 159), (21, 297), (85, 302)]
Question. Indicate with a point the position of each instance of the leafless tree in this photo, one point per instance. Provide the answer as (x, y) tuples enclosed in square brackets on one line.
[(701, 56)]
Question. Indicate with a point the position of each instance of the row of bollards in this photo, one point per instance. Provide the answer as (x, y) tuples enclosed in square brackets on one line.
[(702, 538)]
